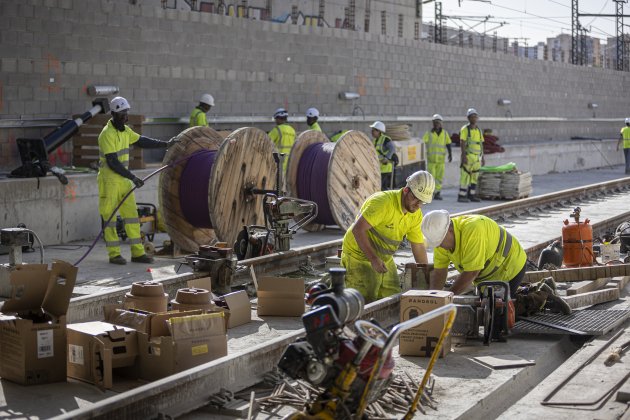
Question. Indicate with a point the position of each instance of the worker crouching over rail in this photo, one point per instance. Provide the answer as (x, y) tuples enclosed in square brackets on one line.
[(384, 220)]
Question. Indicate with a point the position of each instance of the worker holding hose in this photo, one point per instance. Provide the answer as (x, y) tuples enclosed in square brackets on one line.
[(385, 219), (198, 115), (115, 181), (471, 144)]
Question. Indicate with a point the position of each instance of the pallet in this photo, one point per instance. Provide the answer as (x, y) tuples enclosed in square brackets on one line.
[(85, 142)]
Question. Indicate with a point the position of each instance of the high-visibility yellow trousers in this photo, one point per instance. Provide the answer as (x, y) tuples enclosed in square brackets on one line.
[(372, 285), (469, 174), (109, 196), (437, 170)]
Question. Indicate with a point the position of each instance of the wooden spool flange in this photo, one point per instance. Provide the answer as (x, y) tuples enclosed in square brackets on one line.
[(244, 161), (353, 173), (184, 235)]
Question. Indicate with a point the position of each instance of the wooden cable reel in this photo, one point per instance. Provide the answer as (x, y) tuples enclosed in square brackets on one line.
[(353, 174), (242, 161)]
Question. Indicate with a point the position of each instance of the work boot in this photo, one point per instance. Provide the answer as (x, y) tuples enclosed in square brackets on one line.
[(142, 259), (549, 281), (437, 196), (118, 259), (554, 302), (462, 199), (475, 199)]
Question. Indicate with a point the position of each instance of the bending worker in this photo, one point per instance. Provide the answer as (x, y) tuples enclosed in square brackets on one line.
[(370, 243), (282, 135), (312, 114), (624, 136), (115, 181), (438, 143), (471, 144), (198, 115), (480, 249), (385, 150)]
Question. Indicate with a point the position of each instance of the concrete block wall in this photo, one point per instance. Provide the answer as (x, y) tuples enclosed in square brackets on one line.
[(163, 60)]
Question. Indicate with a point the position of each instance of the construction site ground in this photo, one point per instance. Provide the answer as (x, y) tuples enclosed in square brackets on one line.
[(464, 387)]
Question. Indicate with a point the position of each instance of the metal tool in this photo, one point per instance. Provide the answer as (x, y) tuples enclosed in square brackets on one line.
[(558, 327), (34, 152), (15, 239), (219, 261)]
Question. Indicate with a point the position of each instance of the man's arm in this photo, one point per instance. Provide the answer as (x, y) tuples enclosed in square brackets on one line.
[(450, 154), (359, 231), (463, 281), (419, 252), (438, 278), (149, 143), (619, 141), (115, 165)]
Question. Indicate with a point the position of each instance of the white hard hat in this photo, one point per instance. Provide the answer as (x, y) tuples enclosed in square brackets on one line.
[(471, 111), (436, 117), (627, 120), (434, 227), (422, 185), (207, 99), (119, 104), (280, 113), (312, 113), (379, 126)]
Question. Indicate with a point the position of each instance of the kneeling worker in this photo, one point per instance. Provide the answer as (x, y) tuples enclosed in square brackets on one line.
[(480, 249), (370, 243)]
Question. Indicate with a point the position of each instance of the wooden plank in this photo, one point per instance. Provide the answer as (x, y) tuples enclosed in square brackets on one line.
[(587, 286), (592, 298), (576, 274)]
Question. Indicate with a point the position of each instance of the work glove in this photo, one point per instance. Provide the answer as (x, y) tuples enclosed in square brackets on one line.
[(137, 182), (450, 158)]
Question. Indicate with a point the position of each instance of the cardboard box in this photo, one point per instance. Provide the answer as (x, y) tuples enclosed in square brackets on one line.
[(280, 296), (421, 341), (33, 324), (239, 307), (96, 349), (409, 151), (178, 341)]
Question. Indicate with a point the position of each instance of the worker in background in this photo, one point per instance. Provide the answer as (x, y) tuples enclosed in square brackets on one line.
[(385, 151), (624, 136), (282, 135), (370, 243), (312, 114), (337, 135), (478, 247), (115, 181), (471, 144), (438, 143), (198, 115)]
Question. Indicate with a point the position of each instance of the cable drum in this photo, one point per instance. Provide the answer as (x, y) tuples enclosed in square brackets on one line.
[(337, 176), (210, 197)]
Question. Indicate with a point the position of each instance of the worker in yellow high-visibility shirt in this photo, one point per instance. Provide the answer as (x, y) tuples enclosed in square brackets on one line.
[(385, 219), (115, 181), (198, 115), (624, 136), (282, 135), (471, 144), (385, 152), (312, 115), (438, 143), (478, 247)]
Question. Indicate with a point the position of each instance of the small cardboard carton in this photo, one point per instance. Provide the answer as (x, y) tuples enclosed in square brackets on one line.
[(409, 151), (178, 341), (33, 324), (280, 296), (421, 340), (239, 308), (96, 349)]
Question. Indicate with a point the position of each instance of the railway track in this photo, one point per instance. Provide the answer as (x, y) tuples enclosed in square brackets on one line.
[(535, 221)]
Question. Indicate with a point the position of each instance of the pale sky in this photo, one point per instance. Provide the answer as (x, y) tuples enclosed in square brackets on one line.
[(533, 19)]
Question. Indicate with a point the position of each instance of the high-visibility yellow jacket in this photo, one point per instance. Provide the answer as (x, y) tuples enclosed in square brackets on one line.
[(336, 136), (113, 141), (472, 140), (625, 135), (436, 145), (315, 127), (383, 211), (197, 118), (481, 244), (381, 151), (283, 137)]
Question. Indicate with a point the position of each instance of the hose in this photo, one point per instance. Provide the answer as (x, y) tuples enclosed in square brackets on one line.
[(41, 245), (152, 174)]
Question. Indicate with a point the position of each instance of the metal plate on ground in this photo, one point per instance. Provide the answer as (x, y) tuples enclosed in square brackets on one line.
[(591, 322)]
